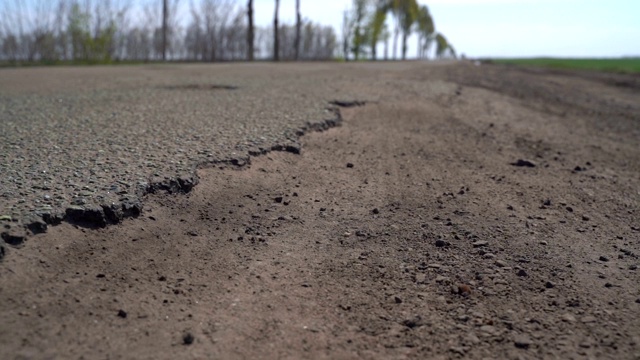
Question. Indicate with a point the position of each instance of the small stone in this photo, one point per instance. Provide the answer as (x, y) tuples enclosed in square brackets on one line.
[(522, 273), (397, 300), (442, 279), (122, 314), (278, 199), (585, 218), (522, 342), (433, 266), (589, 319), (523, 163), (633, 267), (549, 285), (568, 318), (604, 258), (480, 243), (375, 211), (500, 263), (441, 243), (188, 339), (489, 329), (462, 289), (472, 339), (350, 165), (608, 285), (421, 278), (543, 242), (413, 322)]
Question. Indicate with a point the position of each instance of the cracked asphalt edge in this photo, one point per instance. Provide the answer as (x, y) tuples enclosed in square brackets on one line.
[(15, 232)]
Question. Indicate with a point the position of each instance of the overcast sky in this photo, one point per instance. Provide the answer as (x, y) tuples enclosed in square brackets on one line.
[(507, 28)]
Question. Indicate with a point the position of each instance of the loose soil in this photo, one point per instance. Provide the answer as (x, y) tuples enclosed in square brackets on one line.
[(488, 212)]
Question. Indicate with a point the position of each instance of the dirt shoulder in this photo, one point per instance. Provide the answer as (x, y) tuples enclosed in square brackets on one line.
[(411, 231)]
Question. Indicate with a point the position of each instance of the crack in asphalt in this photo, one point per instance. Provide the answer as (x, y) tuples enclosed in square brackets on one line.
[(94, 216)]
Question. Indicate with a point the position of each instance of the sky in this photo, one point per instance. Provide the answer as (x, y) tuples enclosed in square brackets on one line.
[(506, 28)]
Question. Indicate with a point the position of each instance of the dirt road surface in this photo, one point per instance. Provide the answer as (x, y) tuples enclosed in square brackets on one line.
[(458, 211)]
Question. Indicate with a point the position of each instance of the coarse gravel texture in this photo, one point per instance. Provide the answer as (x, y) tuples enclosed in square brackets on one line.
[(84, 144)]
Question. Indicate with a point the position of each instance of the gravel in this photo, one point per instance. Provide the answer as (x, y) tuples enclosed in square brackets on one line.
[(84, 145)]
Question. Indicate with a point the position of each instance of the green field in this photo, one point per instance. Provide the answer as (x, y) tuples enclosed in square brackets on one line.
[(619, 65)]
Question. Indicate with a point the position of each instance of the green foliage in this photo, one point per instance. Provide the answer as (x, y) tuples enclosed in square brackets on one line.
[(620, 65), (361, 31), (376, 26), (88, 48), (443, 48)]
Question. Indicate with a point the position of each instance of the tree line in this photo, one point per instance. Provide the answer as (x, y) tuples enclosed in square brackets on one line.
[(104, 31), (370, 24)]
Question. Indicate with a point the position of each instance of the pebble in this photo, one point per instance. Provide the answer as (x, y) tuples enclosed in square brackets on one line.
[(549, 285), (543, 242), (604, 258), (568, 318), (461, 289), (489, 329), (122, 314), (500, 263), (522, 342), (480, 243), (589, 319), (441, 243), (420, 278), (523, 163), (472, 339), (350, 165), (522, 272), (188, 339)]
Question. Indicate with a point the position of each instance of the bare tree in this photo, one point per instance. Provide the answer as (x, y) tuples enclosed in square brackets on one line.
[(298, 25), (164, 30), (276, 40), (250, 31)]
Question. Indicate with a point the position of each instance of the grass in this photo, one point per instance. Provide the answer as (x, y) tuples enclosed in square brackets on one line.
[(618, 65)]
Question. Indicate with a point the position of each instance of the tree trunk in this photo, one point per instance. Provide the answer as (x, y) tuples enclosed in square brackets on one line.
[(164, 29), (386, 49), (276, 38), (404, 45), (395, 43), (374, 51), (298, 29), (250, 31)]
